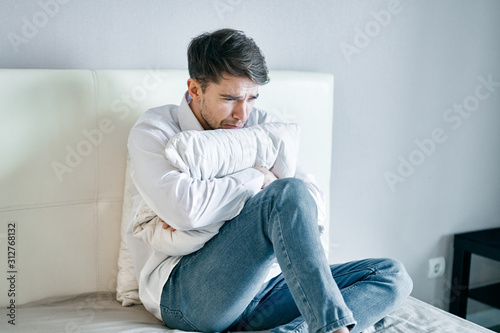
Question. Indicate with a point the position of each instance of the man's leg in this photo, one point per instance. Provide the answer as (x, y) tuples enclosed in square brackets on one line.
[(210, 289), (371, 288)]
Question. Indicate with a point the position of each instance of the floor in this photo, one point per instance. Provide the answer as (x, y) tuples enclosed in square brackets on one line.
[(495, 329), (483, 315)]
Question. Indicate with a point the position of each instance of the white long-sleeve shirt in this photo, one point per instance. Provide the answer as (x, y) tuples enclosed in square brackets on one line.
[(184, 203)]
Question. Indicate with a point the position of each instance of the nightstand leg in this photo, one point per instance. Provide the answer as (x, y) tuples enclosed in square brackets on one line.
[(460, 282)]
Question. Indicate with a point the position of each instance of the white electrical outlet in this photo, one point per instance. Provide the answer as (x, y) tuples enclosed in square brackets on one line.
[(436, 267)]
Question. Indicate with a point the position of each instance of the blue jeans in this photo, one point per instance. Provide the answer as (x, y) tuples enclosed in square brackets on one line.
[(221, 287)]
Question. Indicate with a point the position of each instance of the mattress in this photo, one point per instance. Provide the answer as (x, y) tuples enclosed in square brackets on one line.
[(100, 312)]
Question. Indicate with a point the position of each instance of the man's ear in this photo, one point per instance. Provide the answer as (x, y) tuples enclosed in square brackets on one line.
[(194, 89)]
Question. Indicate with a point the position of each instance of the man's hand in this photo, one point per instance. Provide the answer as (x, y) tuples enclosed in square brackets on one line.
[(166, 226), (269, 177)]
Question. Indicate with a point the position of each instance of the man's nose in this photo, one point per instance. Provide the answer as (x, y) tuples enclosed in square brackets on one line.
[(241, 111)]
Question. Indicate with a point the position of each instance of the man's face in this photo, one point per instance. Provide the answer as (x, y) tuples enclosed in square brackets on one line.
[(226, 104)]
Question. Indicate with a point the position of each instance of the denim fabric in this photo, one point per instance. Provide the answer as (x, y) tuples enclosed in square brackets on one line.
[(221, 287), (371, 288)]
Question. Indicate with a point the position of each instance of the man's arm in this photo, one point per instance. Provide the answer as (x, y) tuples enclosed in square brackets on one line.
[(269, 177), (182, 202)]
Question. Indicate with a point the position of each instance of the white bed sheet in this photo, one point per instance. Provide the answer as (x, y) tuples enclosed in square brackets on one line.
[(100, 312)]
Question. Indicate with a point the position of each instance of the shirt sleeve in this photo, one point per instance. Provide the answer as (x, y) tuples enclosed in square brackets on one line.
[(183, 202), (174, 243)]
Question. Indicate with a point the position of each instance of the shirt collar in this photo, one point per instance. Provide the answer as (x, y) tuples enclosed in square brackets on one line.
[(187, 119)]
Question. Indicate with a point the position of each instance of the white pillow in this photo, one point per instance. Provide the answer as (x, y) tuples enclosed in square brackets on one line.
[(127, 288), (218, 153)]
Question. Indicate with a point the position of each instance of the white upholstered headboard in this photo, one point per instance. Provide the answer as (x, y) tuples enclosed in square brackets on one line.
[(63, 152)]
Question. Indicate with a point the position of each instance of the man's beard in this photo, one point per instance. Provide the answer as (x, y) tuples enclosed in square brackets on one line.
[(205, 112)]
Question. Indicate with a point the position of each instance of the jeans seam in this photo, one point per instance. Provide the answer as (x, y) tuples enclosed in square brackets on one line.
[(348, 321), (355, 284), (291, 268), (179, 316), (373, 271), (299, 327)]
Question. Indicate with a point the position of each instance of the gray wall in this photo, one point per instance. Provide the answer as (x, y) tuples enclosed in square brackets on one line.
[(415, 147)]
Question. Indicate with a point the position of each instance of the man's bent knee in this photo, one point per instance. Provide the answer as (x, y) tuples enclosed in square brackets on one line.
[(401, 282), (293, 191), (291, 196), (291, 187)]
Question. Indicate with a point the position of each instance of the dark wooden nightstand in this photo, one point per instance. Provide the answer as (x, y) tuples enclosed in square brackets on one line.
[(484, 243)]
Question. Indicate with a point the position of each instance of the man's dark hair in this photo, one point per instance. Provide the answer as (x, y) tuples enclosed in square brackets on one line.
[(225, 51)]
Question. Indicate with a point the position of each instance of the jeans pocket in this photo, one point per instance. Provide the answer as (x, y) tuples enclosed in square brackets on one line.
[(175, 319)]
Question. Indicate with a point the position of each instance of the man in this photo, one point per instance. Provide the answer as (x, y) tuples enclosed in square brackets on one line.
[(229, 284)]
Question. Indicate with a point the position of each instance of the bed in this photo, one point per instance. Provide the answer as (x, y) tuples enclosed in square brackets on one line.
[(63, 194), (100, 312)]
